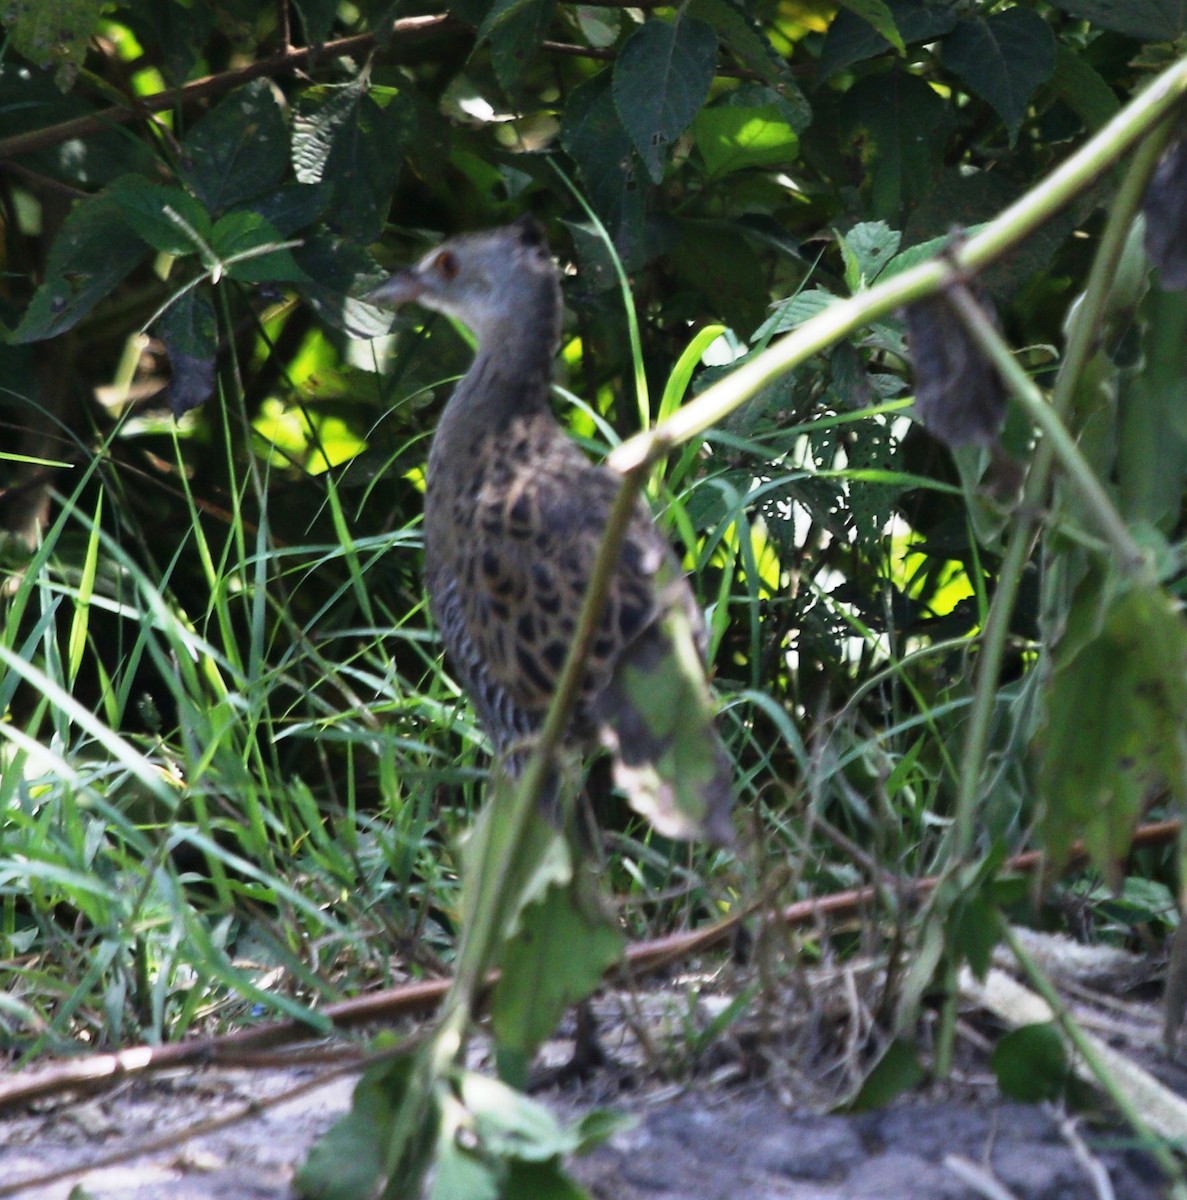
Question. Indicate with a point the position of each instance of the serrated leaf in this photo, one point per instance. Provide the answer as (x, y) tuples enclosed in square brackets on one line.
[(878, 15), (593, 135), (1031, 1063), (237, 150), (190, 333), (342, 137), (564, 947), (1114, 726), (661, 78), (294, 206), (94, 250), (1003, 58), (851, 40), (54, 33), (734, 139), (1148, 20), (867, 248)]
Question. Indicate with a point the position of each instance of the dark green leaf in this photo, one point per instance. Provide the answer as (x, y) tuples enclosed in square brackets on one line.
[(1031, 1063), (661, 78), (1114, 724), (748, 43), (541, 1181), (168, 218), (93, 251), (238, 150), (896, 125), (976, 933), (460, 1173), (317, 18), (54, 33), (564, 947), (717, 260), (1148, 20), (1080, 86), (338, 272), (515, 40), (897, 1071), (246, 246), (852, 40), (1003, 58), (1152, 444), (189, 331), (294, 206), (600, 145), (342, 137), (349, 1161), (877, 14)]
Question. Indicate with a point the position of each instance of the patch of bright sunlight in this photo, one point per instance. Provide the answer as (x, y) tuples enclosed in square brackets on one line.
[(904, 568), (313, 441)]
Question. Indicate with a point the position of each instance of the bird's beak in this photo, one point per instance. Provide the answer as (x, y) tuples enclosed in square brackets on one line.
[(397, 289)]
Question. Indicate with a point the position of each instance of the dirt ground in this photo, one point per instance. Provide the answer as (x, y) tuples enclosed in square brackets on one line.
[(198, 1134)]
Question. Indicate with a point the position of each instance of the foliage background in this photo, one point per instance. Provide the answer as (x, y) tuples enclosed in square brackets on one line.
[(231, 766)]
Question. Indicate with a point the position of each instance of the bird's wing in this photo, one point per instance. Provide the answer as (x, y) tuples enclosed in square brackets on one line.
[(508, 605)]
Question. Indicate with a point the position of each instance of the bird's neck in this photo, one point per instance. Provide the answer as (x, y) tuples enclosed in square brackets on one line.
[(510, 377)]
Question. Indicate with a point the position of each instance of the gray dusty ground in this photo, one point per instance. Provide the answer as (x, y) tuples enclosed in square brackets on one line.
[(722, 1138), (720, 1146)]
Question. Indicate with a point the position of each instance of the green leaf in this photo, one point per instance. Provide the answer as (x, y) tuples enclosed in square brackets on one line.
[(898, 126), (514, 29), (976, 933), (565, 945), (54, 33), (1147, 20), (1114, 731), (897, 1071), (94, 250), (245, 244), (866, 249), (238, 150), (747, 41), (1031, 1063), (598, 142), (1003, 58), (851, 40), (878, 15), (661, 78), (293, 206), (1151, 464), (343, 137), (168, 218), (349, 1160), (511, 1125), (731, 138), (1080, 86), (189, 331), (338, 272)]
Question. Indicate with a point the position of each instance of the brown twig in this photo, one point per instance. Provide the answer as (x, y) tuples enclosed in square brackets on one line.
[(418, 999)]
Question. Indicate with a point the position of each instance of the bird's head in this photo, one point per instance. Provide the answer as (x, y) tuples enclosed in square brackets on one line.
[(495, 282)]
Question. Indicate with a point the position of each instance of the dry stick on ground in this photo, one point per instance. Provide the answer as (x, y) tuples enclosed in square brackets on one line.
[(243, 1048)]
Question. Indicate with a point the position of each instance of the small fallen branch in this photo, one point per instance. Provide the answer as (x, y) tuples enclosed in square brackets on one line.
[(250, 1047)]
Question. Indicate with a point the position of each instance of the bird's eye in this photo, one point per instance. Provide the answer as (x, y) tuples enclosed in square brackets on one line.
[(447, 264)]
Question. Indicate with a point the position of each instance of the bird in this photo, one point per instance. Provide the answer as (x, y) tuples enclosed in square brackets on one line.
[(514, 513)]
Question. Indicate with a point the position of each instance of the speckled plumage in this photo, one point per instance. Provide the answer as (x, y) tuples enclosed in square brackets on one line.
[(514, 513)]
